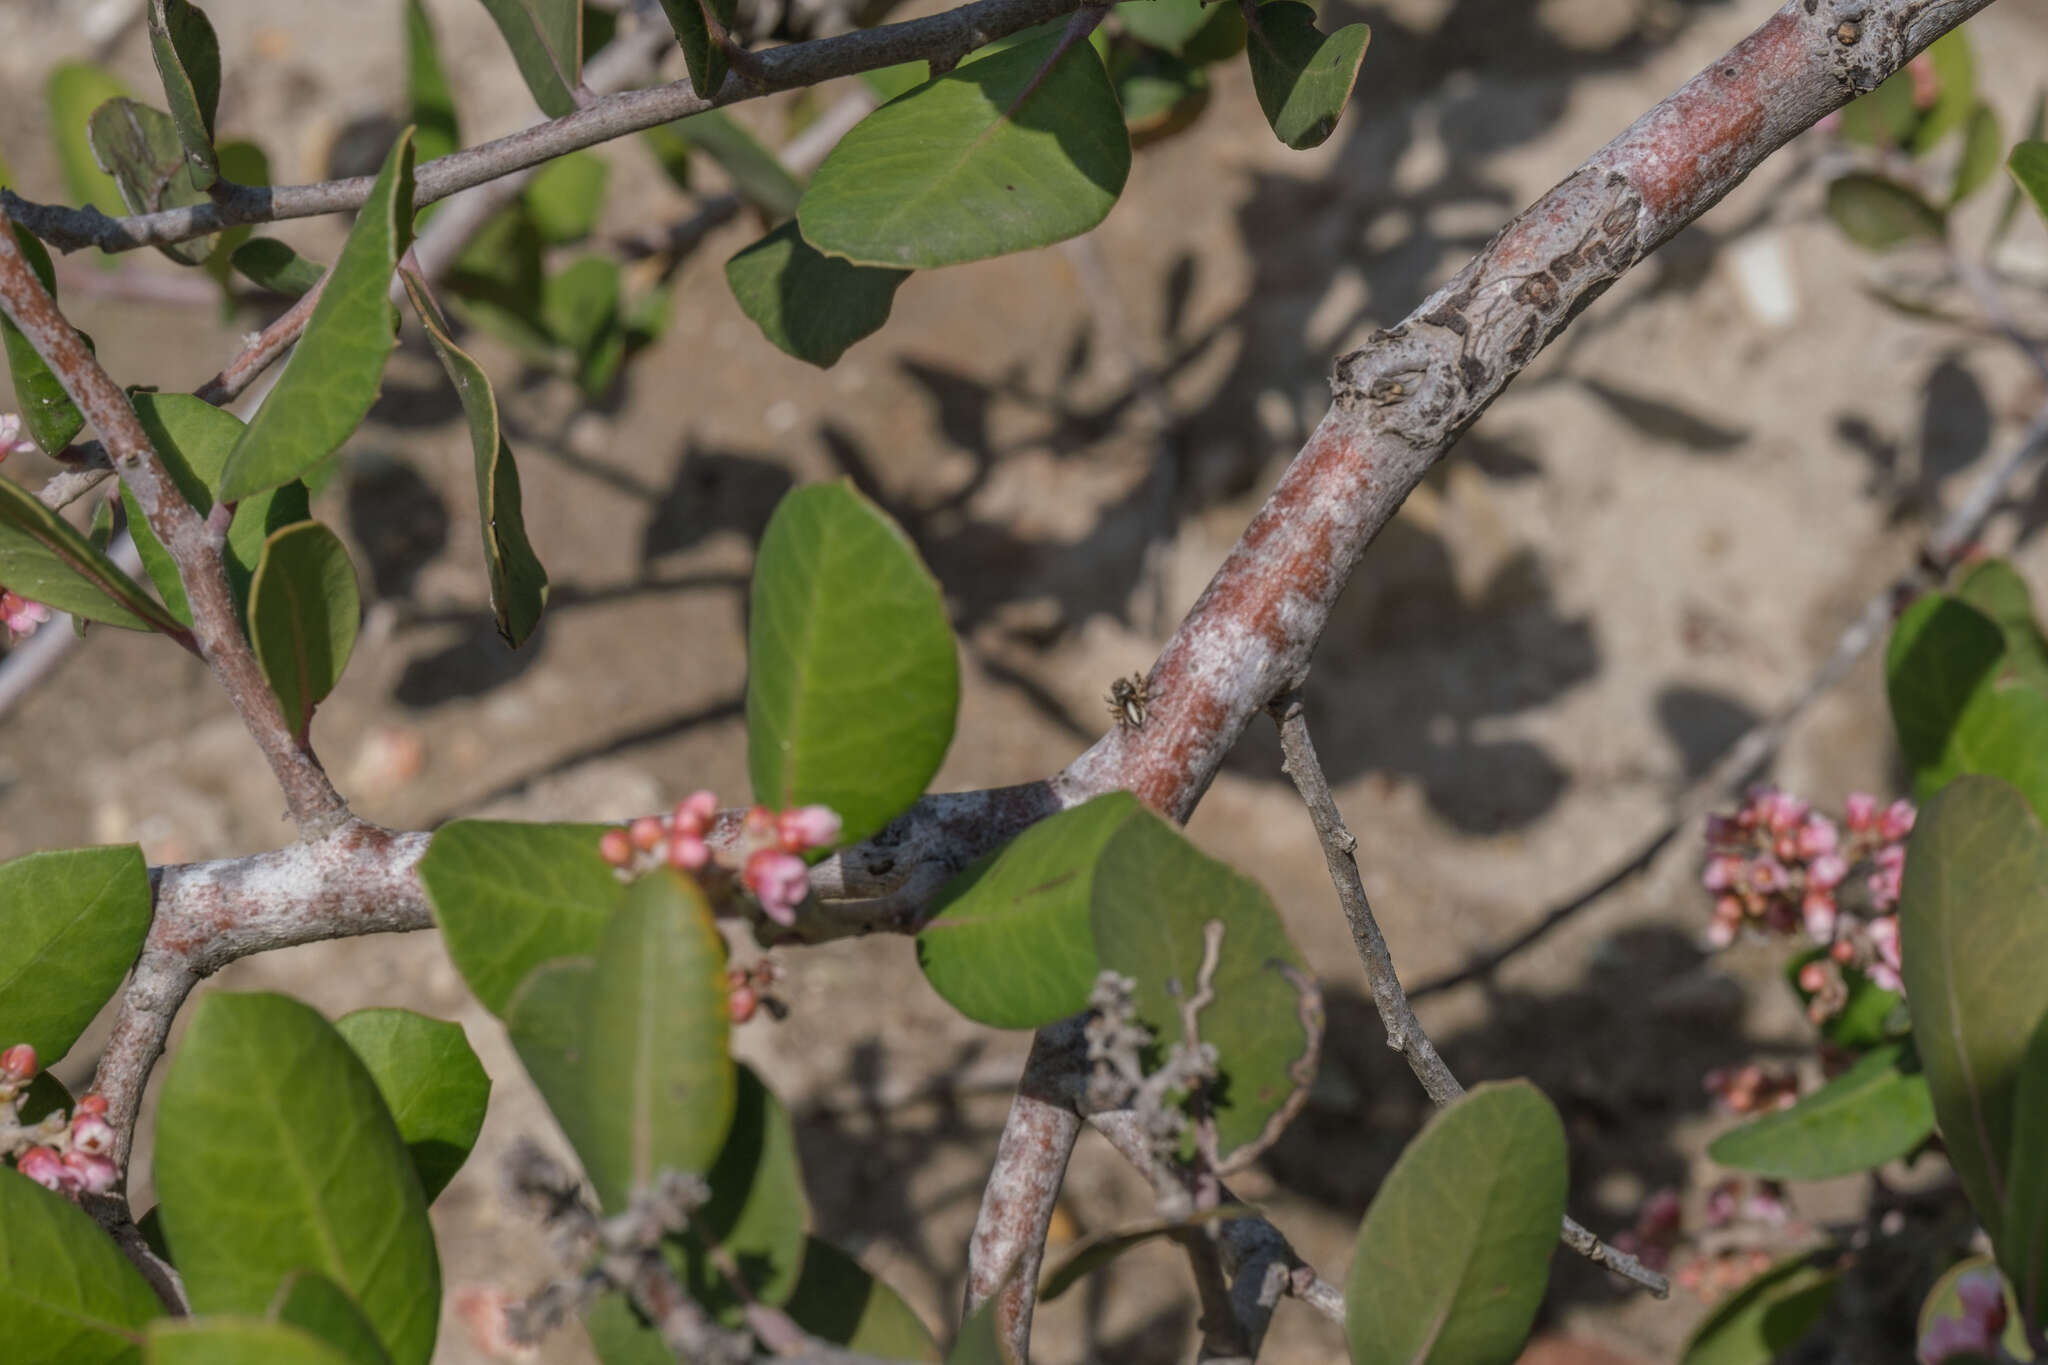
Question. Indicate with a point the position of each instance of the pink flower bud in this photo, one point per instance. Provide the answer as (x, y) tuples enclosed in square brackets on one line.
[(1813, 978), (688, 852), (806, 827), (1721, 1204), (21, 616), (90, 1172), (1983, 1296), (1885, 977), (44, 1166), (780, 881), (742, 1001), (1720, 933), (1884, 936), (1842, 951), (91, 1134), (1766, 875), (1862, 812), (1784, 811), (1827, 872), (1977, 1330), (1818, 910), (695, 812), (1897, 821), (1721, 872), (12, 442), (18, 1063), (616, 847), (1817, 837), (93, 1103), (645, 834)]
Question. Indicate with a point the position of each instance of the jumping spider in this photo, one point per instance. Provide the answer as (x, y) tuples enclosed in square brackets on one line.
[(1128, 698)]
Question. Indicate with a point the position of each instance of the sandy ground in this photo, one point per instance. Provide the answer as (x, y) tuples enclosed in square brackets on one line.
[(1649, 541)]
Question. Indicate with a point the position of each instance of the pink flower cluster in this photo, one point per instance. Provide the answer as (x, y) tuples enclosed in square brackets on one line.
[(1977, 1331), (1778, 865), (1752, 1089), (765, 854), (20, 616), (1660, 1235), (13, 440), (67, 1154)]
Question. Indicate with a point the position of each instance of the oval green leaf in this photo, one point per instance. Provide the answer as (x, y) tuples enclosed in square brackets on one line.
[(313, 1303), (269, 264), (1765, 1318), (261, 1173), (1996, 589), (431, 1081), (546, 1021), (758, 1216), (140, 146), (1973, 921), (75, 921), (810, 305), (510, 897), (1454, 1253), (304, 609), (47, 411), (702, 55), (229, 1340), (519, 585), (546, 38), (334, 373), (566, 196), (1154, 894), (853, 684), (658, 1082), (1876, 1111), (1017, 149), (67, 1294), (1303, 76), (1942, 653), (1027, 907), (188, 59), (1878, 213), (44, 558)]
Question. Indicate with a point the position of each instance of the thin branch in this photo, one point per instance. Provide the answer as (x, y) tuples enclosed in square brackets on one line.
[(1404, 1031), (216, 623), (262, 350), (938, 38)]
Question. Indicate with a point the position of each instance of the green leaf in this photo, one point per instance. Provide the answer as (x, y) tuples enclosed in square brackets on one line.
[(1454, 1252), (261, 1173), (188, 59), (1160, 93), (546, 38), (1303, 76), (1983, 145), (658, 1082), (702, 55), (1014, 150), (75, 921), (1876, 1111), (140, 147), (1153, 897), (67, 1294), (567, 195), (1943, 1301), (242, 163), (758, 175), (1994, 588), (1942, 654), (1028, 907), (227, 1340), (1973, 921), (1765, 1317), (758, 1212), (580, 307), (519, 585), (73, 91), (2025, 1253), (332, 378), (1955, 90), (431, 1082), (2004, 734), (890, 81), (497, 281), (1886, 117), (546, 1020), (852, 680), (1167, 24), (45, 558), (808, 304), (429, 100), (2028, 163), (1880, 214), (509, 897), (51, 417), (980, 1341), (303, 612), (313, 1303), (270, 264), (837, 1300), (1864, 1020)]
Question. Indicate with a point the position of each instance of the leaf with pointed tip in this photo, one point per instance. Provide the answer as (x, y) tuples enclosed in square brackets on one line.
[(232, 1340), (46, 559), (852, 679), (702, 55), (431, 1081), (335, 371), (546, 38), (1879, 213), (1016, 149), (304, 609), (73, 91), (321, 1178), (429, 101), (1765, 1318), (1454, 1253), (658, 1083), (47, 411), (510, 897), (1027, 907), (1876, 1111), (1303, 76), (140, 147), (188, 59), (758, 1212), (75, 921), (67, 1294), (811, 305), (269, 264), (1973, 923), (313, 1303), (519, 585)]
